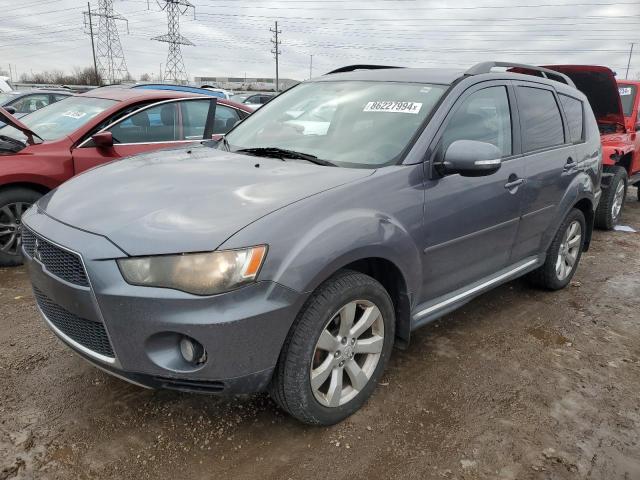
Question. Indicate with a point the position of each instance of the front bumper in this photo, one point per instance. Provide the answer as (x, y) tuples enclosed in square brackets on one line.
[(134, 332)]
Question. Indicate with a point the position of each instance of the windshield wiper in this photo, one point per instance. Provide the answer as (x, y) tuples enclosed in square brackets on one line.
[(15, 141), (275, 152)]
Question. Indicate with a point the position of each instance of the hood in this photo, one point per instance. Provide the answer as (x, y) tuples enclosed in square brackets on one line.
[(599, 86), (9, 119), (185, 200)]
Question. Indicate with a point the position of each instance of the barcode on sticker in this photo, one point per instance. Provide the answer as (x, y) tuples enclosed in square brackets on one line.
[(393, 107), (624, 91)]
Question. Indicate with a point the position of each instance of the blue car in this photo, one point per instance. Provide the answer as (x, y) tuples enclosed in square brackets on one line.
[(181, 88)]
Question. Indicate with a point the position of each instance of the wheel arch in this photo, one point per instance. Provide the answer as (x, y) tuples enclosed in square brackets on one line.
[(38, 187), (585, 205)]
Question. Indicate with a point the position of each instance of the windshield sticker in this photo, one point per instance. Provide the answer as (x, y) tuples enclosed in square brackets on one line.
[(624, 91), (74, 115), (393, 107)]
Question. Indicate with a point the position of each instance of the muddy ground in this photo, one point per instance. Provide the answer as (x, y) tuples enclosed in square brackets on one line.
[(518, 384)]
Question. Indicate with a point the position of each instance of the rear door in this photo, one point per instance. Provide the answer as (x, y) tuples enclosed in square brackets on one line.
[(153, 127), (471, 222), (551, 162)]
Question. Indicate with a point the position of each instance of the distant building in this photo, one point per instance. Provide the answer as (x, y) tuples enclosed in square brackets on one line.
[(245, 83)]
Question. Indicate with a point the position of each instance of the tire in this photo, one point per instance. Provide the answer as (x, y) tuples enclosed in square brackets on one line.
[(548, 276), (292, 387), (13, 202), (610, 208)]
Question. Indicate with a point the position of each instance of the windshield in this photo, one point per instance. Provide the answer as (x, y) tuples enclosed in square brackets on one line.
[(350, 123), (59, 119), (627, 95)]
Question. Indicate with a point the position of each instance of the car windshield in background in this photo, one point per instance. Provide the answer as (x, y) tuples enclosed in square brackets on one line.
[(349, 123), (60, 119), (627, 95)]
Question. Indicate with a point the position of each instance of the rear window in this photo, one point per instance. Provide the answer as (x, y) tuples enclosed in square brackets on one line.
[(573, 110), (541, 119), (627, 95)]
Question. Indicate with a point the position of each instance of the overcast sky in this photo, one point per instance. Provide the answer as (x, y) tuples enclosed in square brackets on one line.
[(232, 36)]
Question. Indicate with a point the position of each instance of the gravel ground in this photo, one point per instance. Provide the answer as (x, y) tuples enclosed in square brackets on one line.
[(517, 384)]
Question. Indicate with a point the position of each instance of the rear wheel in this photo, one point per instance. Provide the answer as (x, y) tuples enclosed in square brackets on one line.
[(563, 254), (13, 203), (336, 351), (610, 208)]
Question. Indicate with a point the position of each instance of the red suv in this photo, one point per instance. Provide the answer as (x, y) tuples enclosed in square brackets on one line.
[(49, 146), (616, 108)]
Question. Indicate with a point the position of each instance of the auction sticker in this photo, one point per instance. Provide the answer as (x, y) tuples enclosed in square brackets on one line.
[(624, 91), (393, 107), (74, 115)]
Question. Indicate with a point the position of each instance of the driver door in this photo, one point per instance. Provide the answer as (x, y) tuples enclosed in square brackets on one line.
[(151, 128), (471, 222)]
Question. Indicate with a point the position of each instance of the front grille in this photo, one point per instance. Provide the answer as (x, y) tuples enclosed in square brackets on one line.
[(87, 333), (57, 261), (198, 386)]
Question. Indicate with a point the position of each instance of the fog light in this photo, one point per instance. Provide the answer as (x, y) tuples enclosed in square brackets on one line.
[(192, 351)]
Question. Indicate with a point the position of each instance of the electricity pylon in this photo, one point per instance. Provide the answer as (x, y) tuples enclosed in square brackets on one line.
[(174, 69)]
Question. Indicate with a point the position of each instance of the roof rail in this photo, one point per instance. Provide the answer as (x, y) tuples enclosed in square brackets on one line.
[(486, 67), (351, 68)]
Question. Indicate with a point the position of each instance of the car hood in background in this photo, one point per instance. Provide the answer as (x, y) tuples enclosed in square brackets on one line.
[(600, 87), (185, 200)]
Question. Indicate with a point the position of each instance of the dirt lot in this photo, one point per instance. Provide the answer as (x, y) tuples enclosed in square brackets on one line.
[(518, 384)]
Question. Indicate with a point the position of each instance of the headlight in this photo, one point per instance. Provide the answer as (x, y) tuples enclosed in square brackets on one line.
[(197, 273)]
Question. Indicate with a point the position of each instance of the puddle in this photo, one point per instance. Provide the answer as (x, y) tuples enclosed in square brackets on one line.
[(548, 337)]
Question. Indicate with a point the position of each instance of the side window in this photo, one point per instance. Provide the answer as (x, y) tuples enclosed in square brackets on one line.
[(155, 124), (226, 118), (31, 103), (194, 118), (483, 116), (575, 118), (57, 97), (541, 120)]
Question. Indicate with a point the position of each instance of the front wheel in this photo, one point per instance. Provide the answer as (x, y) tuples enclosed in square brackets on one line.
[(336, 351), (610, 208), (563, 254), (13, 203)]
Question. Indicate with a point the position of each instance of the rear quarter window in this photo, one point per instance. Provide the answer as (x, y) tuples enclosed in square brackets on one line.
[(540, 118), (574, 112)]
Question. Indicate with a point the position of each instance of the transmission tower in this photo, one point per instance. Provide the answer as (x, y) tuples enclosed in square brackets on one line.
[(174, 69), (112, 66)]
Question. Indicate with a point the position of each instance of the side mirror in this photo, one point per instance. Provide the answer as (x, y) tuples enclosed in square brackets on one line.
[(471, 158), (11, 110), (103, 140)]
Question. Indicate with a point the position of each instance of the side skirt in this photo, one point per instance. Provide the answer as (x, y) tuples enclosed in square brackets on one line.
[(436, 308)]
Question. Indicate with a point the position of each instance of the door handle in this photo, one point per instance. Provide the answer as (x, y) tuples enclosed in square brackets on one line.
[(514, 183), (569, 165)]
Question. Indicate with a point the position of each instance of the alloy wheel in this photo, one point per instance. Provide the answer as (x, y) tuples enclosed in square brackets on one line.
[(618, 200), (569, 250), (347, 353), (10, 219)]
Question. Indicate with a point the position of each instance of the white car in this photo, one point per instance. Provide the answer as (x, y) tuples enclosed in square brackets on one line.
[(5, 85), (226, 93)]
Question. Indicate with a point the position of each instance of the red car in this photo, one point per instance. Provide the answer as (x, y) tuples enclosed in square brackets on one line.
[(631, 108), (47, 147), (620, 142)]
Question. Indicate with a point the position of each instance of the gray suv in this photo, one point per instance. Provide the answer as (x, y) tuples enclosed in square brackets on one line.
[(294, 253)]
